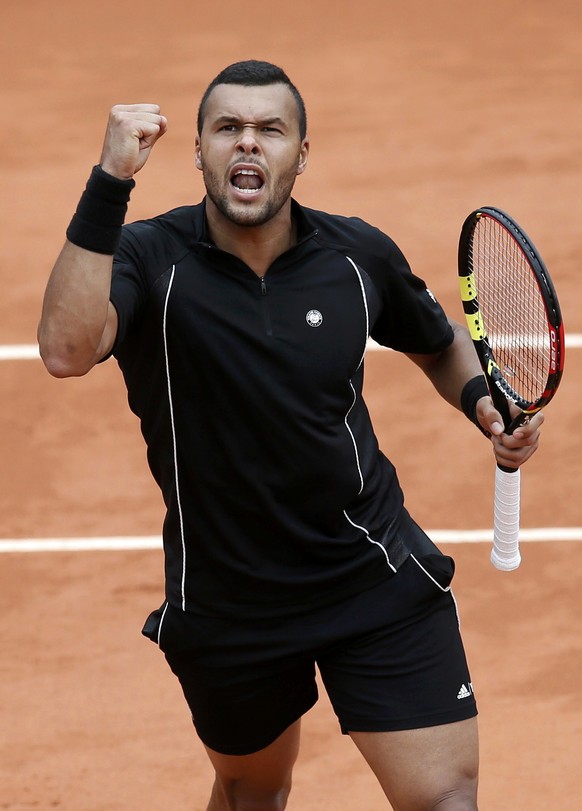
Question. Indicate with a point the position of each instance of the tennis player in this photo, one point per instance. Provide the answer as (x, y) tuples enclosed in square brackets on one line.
[(240, 326)]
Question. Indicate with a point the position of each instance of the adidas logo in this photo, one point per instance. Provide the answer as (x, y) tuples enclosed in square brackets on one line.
[(465, 691)]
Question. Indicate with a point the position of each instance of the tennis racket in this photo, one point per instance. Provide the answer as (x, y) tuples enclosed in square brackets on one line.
[(515, 322)]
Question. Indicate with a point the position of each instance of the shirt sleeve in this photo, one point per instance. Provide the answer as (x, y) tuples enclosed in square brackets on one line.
[(409, 317), (128, 283)]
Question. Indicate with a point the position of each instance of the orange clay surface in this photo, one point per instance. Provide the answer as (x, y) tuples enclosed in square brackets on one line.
[(418, 113)]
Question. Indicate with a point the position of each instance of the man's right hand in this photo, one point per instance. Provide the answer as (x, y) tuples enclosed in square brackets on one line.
[(132, 130)]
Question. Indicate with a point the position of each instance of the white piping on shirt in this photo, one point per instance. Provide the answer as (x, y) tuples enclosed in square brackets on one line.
[(365, 303), (357, 526), (357, 455), (377, 543), (174, 442)]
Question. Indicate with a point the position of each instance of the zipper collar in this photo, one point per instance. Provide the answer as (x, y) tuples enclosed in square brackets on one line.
[(305, 230)]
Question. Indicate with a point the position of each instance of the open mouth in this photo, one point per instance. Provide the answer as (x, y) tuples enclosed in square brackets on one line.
[(247, 181)]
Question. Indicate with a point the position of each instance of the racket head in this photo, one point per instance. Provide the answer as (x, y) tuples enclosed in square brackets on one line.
[(512, 311)]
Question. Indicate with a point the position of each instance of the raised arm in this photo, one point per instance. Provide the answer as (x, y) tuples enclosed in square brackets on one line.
[(451, 370), (78, 324)]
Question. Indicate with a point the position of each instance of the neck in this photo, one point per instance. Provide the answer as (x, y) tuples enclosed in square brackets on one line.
[(257, 246)]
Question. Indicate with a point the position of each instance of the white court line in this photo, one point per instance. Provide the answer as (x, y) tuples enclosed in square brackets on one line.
[(573, 341), (30, 351), (99, 544), (144, 542), (19, 352), (486, 535)]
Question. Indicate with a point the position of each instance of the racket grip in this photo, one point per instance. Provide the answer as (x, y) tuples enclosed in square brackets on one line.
[(505, 553)]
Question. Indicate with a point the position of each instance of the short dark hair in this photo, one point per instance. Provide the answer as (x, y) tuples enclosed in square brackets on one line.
[(254, 73)]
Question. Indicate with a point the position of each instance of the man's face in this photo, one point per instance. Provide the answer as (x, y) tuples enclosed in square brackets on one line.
[(250, 151)]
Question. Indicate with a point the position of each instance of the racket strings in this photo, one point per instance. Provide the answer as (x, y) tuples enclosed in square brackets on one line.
[(512, 308)]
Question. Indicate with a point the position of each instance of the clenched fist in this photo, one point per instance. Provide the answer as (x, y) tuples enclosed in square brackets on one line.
[(132, 130)]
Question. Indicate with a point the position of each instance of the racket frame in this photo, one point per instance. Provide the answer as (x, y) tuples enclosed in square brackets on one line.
[(501, 390)]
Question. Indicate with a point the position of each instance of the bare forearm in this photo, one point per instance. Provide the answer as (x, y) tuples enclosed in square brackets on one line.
[(73, 330), (450, 371)]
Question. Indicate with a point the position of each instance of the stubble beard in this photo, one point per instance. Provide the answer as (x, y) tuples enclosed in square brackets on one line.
[(249, 215)]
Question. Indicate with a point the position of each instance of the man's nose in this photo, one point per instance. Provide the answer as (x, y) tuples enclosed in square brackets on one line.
[(247, 141)]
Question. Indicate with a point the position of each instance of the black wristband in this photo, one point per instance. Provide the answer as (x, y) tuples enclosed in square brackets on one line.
[(472, 392), (96, 225)]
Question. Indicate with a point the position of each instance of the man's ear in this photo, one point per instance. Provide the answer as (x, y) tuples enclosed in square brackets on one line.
[(197, 153), (303, 156)]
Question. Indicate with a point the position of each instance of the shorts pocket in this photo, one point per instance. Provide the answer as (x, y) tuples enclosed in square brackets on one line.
[(153, 625), (439, 568)]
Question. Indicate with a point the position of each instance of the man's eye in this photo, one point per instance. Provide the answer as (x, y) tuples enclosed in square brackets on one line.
[(272, 130)]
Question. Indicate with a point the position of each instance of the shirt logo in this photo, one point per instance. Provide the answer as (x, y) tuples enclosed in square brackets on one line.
[(314, 318)]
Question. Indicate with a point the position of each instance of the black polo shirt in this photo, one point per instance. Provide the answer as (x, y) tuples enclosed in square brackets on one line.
[(249, 393)]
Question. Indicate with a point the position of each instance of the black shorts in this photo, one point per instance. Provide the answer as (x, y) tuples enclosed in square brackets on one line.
[(390, 658)]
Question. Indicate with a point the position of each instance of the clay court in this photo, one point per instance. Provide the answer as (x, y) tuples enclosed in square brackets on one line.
[(418, 113)]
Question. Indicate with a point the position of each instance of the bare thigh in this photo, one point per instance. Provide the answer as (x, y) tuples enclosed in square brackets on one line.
[(260, 780), (425, 769)]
